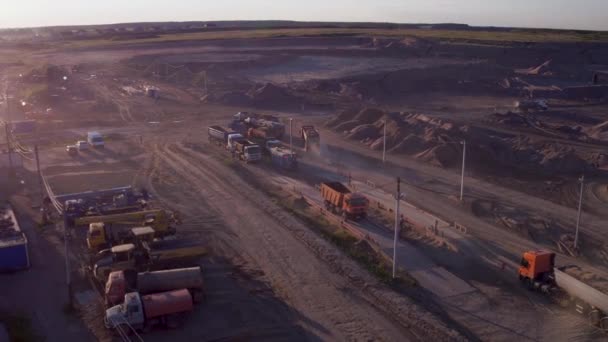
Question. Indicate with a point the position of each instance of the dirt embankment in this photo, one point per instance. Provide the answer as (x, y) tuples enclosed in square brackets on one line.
[(438, 142)]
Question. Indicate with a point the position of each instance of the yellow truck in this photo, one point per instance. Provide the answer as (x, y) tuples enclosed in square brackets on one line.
[(104, 235), (148, 256), (158, 219)]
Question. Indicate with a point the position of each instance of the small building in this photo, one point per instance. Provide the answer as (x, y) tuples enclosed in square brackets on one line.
[(14, 254)]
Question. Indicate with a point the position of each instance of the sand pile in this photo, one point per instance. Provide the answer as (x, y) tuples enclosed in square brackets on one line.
[(270, 95), (542, 69), (437, 141), (599, 132)]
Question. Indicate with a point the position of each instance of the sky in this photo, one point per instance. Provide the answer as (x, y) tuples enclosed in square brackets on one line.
[(567, 14)]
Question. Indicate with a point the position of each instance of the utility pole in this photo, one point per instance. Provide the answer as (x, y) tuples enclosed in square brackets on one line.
[(7, 128), (67, 262), (580, 206), (290, 135), (398, 199), (464, 151), (384, 144), (39, 175)]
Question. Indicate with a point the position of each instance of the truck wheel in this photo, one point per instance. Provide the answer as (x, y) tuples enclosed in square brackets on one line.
[(595, 317), (604, 323), (123, 329)]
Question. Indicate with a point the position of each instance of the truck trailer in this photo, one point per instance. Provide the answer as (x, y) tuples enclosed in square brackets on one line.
[(339, 199), (144, 312), (310, 136), (218, 135), (122, 282), (537, 271), (147, 256)]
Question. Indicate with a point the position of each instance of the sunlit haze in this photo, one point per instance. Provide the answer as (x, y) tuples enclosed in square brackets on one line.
[(583, 14)]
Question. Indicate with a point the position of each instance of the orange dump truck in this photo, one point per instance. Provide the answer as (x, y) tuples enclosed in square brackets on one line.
[(537, 271), (339, 199)]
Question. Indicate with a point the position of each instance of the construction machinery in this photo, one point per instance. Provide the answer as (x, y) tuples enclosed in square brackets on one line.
[(283, 158), (537, 271), (147, 256), (339, 199), (159, 219), (101, 202), (104, 235), (122, 282), (310, 136), (143, 312), (266, 125)]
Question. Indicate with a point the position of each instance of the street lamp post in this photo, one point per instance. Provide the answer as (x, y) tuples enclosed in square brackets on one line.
[(580, 206), (464, 151), (290, 135), (398, 197), (384, 144)]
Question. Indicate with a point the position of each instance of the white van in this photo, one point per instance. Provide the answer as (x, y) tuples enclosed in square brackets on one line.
[(95, 139)]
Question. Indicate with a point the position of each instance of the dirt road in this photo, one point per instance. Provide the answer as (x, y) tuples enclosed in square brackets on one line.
[(335, 300)]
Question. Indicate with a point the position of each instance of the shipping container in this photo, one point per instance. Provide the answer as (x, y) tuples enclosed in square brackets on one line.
[(14, 253)]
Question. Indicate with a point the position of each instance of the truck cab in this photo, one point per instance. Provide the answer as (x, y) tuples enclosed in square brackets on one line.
[(131, 312), (355, 205), (536, 265), (120, 257), (95, 139), (102, 235), (116, 288), (232, 139)]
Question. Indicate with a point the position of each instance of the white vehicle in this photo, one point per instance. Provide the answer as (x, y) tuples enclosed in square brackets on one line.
[(95, 139), (232, 139), (82, 145)]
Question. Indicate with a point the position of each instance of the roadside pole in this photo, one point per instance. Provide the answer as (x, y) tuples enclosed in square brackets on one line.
[(580, 206), (384, 144), (39, 175), (398, 199), (464, 151), (290, 135), (68, 281)]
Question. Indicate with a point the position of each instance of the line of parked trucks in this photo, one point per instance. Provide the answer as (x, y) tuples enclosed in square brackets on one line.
[(149, 276), (251, 137)]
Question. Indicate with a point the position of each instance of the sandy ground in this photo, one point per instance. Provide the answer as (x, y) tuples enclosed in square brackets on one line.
[(287, 282)]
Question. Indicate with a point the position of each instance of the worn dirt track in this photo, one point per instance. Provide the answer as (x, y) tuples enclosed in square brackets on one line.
[(334, 299)]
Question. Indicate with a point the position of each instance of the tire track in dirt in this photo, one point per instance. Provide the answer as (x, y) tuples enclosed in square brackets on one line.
[(337, 295)]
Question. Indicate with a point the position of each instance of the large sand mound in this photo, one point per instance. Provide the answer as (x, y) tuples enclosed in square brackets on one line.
[(437, 141)]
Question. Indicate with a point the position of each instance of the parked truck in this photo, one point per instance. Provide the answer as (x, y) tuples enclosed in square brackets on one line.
[(340, 200), (122, 282), (243, 121), (104, 235), (310, 136), (283, 158), (537, 271), (158, 219), (219, 135), (147, 256), (248, 151), (144, 312)]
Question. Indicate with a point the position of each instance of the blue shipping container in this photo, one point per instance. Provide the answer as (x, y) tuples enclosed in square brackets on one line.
[(13, 254)]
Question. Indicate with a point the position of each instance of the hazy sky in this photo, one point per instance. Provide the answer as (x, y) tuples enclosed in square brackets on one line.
[(581, 14)]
